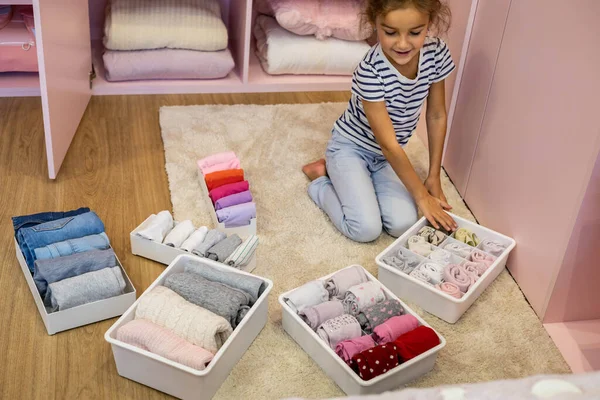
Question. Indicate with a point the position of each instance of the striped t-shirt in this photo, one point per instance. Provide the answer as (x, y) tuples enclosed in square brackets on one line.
[(376, 79)]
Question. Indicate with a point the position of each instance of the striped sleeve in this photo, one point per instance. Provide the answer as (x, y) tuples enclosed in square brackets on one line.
[(443, 62), (366, 83)]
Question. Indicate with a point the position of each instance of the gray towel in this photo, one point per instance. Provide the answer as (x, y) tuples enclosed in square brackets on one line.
[(249, 284), (212, 237), (229, 303), (223, 249), (56, 269), (86, 288)]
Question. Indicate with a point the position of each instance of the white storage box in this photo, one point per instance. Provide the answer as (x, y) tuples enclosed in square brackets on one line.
[(432, 300), (339, 371), (176, 379), (242, 231), (81, 315), (166, 254)]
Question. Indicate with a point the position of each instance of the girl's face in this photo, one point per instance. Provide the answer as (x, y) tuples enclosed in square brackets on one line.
[(402, 33)]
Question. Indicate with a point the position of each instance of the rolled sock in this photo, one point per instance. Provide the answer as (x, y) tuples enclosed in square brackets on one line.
[(456, 274), (346, 349), (161, 341), (415, 342), (478, 266), (85, 288), (466, 236), (372, 316), (242, 255), (57, 269), (317, 315), (339, 283), (441, 256), (419, 245), (433, 270), (73, 246), (238, 215), (308, 295), (433, 236), (206, 164), (481, 257), (179, 233), (224, 248), (493, 247), (212, 237), (397, 263), (195, 239), (460, 249), (376, 361), (450, 288), (193, 323), (472, 269), (158, 227), (234, 200), (392, 328), (230, 303), (363, 295), (421, 275), (339, 329), (228, 190), (224, 177)]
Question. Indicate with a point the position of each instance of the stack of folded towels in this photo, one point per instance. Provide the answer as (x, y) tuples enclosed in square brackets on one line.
[(157, 39), (212, 244), (370, 332), (451, 264), (229, 192), (70, 258), (191, 315), (325, 37)]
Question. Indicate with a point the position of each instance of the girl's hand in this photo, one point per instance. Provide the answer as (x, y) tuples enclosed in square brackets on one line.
[(433, 210), (434, 187)]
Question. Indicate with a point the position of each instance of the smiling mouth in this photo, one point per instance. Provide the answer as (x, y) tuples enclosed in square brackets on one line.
[(402, 53)]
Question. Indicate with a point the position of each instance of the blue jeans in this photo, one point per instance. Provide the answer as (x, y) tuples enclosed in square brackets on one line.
[(362, 194), (59, 230), (73, 246), (26, 221)]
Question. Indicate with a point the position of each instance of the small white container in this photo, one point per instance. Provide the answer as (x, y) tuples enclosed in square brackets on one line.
[(180, 380), (84, 314), (432, 300), (166, 254), (242, 231), (338, 370)]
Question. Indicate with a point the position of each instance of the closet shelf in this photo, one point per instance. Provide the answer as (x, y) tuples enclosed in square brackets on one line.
[(15, 2), (19, 84)]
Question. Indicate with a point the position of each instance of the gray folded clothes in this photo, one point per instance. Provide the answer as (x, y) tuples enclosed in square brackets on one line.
[(249, 284), (230, 303), (86, 288), (377, 314), (493, 247), (244, 252), (316, 315), (56, 269), (212, 237), (224, 248), (308, 295), (433, 236), (397, 263), (344, 279)]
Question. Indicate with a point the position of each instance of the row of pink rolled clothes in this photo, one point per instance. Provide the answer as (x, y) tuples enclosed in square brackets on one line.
[(228, 189)]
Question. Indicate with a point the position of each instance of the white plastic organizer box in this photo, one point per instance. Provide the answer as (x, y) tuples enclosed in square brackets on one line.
[(338, 370), (432, 300), (81, 315), (166, 254), (176, 379)]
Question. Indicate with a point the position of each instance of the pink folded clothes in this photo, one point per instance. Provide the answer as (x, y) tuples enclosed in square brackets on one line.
[(339, 329), (315, 316), (492, 247), (481, 257), (234, 200), (480, 267), (456, 274), (218, 162), (346, 349), (392, 328), (228, 190), (163, 342), (238, 215), (450, 288)]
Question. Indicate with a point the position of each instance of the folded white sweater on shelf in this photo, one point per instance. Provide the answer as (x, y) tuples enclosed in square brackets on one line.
[(283, 52)]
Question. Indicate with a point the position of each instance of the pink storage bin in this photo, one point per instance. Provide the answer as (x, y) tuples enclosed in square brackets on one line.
[(18, 52)]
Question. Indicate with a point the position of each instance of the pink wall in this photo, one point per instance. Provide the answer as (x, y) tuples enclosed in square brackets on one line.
[(535, 150), (575, 294)]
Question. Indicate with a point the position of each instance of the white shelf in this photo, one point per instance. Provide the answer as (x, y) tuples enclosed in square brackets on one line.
[(19, 84)]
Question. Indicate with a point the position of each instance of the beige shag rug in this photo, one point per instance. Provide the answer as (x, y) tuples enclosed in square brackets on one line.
[(499, 337)]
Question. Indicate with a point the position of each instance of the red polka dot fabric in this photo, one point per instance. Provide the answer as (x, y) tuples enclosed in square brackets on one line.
[(376, 361)]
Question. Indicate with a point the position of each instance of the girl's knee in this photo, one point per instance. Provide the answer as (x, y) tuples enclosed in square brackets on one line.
[(398, 223), (365, 231)]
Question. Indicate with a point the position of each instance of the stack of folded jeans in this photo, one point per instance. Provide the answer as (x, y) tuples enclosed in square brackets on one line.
[(228, 190), (69, 256)]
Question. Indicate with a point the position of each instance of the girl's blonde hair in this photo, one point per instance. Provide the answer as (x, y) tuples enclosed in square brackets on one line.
[(438, 11)]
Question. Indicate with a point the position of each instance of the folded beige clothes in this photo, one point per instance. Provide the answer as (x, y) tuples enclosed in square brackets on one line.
[(433, 236), (419, 245), (193, 323)]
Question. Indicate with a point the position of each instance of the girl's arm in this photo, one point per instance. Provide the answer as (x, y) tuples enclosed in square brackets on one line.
[(436, 119), (382, 127)]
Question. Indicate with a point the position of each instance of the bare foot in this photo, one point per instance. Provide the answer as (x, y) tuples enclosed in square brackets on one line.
[(315, 169)]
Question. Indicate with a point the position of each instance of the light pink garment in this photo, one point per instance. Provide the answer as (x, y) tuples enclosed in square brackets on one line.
[(450, 288), (218, 162), (392, 328), (481, 257), (163, 342), (346, 349), (479, 266), (314, 316), (456, 274), (339, 329), (473, 268)]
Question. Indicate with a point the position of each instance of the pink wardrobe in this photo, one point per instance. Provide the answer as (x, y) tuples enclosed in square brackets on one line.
[(524, 151)]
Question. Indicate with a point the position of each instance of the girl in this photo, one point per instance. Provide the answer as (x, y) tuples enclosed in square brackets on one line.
[(367, 181)]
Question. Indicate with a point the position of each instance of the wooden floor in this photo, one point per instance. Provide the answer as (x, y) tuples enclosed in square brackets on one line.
[(116, 167)]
